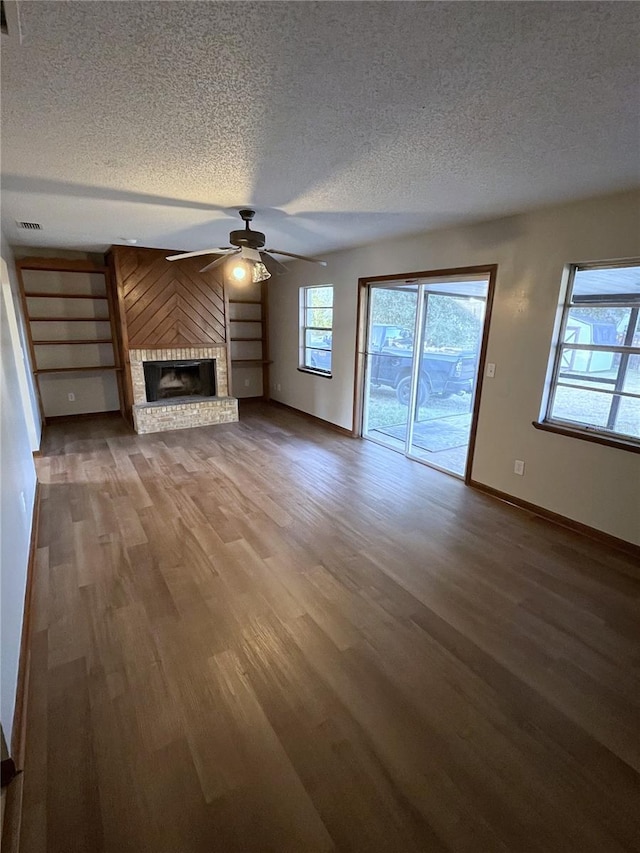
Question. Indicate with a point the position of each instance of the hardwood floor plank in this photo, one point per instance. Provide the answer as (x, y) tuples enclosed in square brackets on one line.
[(33, 835), (74, 819), (287, 817), (605, 783), (404, 746), (265, 636), (316, 730)]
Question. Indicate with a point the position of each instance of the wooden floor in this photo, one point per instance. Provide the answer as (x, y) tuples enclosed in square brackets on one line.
[(268, 637)]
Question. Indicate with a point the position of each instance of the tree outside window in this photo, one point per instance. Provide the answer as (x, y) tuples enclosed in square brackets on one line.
[(316, 329)]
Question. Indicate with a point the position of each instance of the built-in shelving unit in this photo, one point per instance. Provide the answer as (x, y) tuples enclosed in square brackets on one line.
[(69, 311), (248, 336), (48, 295), (67, 343)]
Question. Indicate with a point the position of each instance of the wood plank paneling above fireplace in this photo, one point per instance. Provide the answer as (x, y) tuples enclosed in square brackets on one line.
[(167, 304)]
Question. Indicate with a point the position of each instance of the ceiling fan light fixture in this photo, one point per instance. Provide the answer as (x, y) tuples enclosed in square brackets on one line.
[(259, 272), (247, 266), (238, 271)]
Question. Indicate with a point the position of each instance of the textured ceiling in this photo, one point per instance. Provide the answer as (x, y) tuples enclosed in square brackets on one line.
[(340, 122)]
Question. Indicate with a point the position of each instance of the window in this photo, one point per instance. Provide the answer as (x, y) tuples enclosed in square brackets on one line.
[(596, 378), (316, 328)]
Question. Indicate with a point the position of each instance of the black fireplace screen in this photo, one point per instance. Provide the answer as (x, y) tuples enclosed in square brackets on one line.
[(171, 379)]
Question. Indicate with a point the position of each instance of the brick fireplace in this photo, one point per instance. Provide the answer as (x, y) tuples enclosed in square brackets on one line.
[(184, 410), (173, 341)]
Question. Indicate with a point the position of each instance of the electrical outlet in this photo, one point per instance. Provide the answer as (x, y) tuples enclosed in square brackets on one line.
[(71, 396), (491, 371), (247, 382), (278, 387), (518, 467)]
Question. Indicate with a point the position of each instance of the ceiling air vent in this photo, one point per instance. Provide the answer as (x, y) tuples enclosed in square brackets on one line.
[(29, 226)]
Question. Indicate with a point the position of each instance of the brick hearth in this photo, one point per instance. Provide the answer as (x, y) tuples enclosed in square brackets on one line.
[(154, 417)]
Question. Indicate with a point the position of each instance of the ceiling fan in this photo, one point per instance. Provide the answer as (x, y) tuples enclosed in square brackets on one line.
[(247, 247)]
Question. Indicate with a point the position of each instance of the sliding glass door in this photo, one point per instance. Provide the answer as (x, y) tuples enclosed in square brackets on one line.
[(421, 360), (389, 363)]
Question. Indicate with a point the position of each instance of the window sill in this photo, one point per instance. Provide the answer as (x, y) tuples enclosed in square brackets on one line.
[(319, 373), (587, 435)]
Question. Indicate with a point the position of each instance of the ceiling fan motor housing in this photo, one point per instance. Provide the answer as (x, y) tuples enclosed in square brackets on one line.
[(247, 237)]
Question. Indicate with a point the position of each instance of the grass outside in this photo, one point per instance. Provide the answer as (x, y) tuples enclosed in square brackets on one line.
[(577, 404), (384, 409)]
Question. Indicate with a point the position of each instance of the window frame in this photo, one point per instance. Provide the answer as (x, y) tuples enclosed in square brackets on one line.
[(601, 435), (304, 328)]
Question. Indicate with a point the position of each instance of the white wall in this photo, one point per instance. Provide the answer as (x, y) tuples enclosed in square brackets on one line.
[(18, 334), (586, 482), (17, 491)]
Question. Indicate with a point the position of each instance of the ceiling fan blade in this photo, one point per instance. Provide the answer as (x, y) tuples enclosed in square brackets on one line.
[(278, 267), (218, 261), (196, 254), (299, 257)]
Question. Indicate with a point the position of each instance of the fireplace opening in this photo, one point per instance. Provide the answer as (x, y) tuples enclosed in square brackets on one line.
[(166, 380)]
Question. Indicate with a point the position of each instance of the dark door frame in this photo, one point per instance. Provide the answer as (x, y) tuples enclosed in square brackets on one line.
[(491, 270)]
